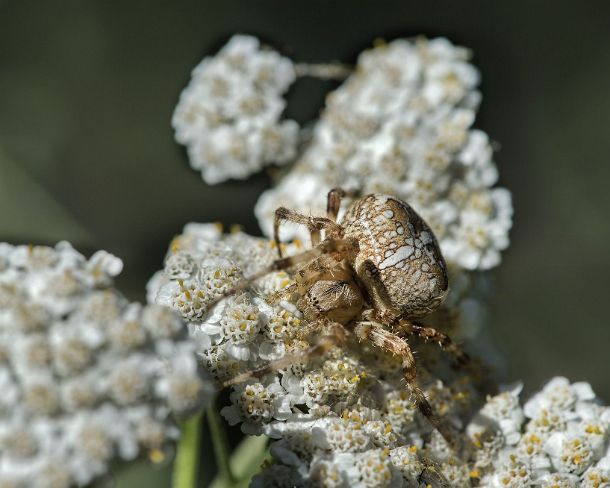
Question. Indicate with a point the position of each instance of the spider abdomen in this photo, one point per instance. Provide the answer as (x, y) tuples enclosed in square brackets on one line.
[(399, 260)]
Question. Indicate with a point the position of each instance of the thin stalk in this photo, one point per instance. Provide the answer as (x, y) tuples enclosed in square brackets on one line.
[(328, 71), (219, 442), (187, 458), (246, 461)]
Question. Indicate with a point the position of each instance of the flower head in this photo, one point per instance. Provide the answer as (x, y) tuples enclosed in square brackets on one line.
[(401, 125), (561, 443), (342, 414), (229, 115), (85, 375)]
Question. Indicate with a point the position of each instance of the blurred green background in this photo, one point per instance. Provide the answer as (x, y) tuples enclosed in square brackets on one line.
[(87, 89)]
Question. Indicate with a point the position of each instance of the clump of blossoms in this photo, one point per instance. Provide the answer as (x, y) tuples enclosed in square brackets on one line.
[(346, 419), (86, 376), (348, 413), (401, 124), (229, 116), (559, 438)]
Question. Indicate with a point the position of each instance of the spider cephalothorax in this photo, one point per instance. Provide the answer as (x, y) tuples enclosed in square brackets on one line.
[(367, 276)]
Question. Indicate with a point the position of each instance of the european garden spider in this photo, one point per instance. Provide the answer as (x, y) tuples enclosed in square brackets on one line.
[(370, 276)]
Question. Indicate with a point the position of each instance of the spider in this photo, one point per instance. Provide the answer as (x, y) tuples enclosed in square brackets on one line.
[(369, 275)]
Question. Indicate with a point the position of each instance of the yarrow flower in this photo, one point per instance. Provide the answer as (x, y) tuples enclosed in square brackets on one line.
[(558, 438), (229, 116), (86, 376), (347, 413), (575, 453), (401, 124)]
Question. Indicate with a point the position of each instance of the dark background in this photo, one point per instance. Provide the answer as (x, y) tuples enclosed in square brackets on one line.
[(87, 89)]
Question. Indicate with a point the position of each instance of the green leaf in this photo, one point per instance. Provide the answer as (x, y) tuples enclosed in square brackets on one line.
[(29, 213)]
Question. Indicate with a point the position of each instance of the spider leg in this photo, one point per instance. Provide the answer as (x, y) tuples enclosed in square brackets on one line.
[(390, 342), (315, 236), (314, 224), (280, 294), (429, 334), (333, 202), (405, 326), (342, 246), (336, 335), (380, 293)]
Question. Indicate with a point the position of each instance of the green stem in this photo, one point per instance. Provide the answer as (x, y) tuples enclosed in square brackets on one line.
[(219, 442), (187, 457), (246, 460)]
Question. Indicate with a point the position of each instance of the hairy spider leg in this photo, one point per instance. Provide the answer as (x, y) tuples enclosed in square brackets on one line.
[(315, 235), (276, 296), (342, 246), (386, 340), (430, 334), (386, 311), (432, 475), (336, 336), (314, 224), (333, 201)]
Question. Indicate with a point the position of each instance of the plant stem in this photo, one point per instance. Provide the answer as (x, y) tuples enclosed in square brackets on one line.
[(187, 458), (246, 461), (219, 441), (328, 71)]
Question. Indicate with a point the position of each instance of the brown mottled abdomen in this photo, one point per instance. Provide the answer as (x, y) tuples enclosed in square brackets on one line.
[(399, 262)]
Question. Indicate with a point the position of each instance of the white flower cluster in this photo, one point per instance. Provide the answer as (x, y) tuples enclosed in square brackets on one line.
[(401, 124), (229, 115), (559, 439), (85, 376), (346, 416), (346, 419)]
